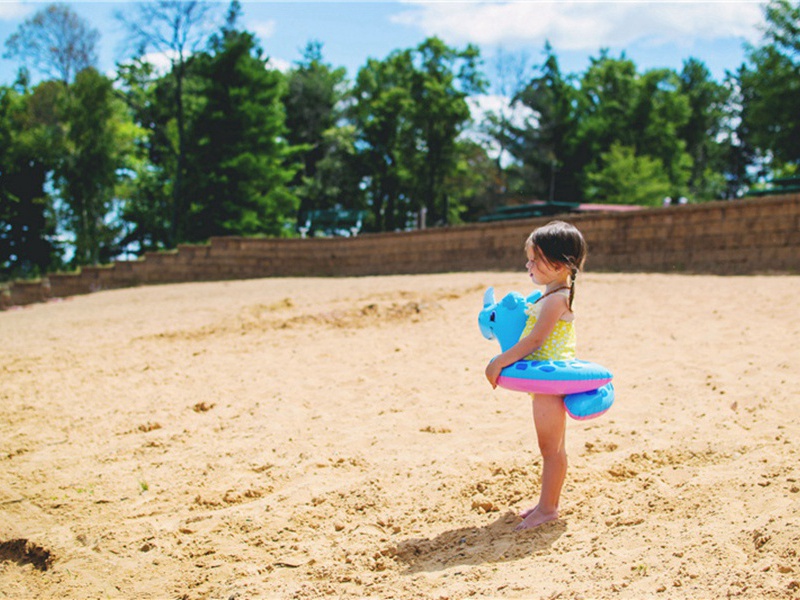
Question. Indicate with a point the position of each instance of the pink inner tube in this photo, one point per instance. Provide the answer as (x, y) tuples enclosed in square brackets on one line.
[(542, 386)]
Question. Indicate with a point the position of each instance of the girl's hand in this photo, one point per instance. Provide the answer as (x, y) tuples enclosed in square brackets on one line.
[(493, 372)]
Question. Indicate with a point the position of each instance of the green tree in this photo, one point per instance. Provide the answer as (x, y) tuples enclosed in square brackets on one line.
[(314, 108), (606, 105), (410, 110), (30, 138), (642, 111), (239, 175), (625, 178), (149, 196), (380, 112), (500, 124), (704, 130), (146, 190), (442, 81), (661, 110), (739, 152), (474, 181), (546, 149), (176, 28), (771, 87), (610, 113), (336, 181), (97, 139)]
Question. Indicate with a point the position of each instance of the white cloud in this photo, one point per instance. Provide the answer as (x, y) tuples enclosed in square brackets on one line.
[(161, 61), (280, 64), (518, 114), (480, 106), (263, 29), (10, 11), (585, 25)]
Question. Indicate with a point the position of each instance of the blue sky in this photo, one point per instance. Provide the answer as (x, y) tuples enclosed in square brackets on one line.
[(651, 33)]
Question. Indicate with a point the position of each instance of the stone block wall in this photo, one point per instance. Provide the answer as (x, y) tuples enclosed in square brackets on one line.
[(760, 235)]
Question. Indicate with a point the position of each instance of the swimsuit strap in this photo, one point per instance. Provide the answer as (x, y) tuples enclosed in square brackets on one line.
[(543, 296)]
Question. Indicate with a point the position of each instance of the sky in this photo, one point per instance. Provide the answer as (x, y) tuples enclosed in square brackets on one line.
[(652, 33)]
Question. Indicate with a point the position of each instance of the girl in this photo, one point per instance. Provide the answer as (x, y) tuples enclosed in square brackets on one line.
[(556, 253)]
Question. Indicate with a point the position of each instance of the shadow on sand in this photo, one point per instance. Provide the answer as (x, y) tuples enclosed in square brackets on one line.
[(492, 543)]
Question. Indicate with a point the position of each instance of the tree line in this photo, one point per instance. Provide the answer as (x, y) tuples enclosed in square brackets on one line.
[(222, 143)]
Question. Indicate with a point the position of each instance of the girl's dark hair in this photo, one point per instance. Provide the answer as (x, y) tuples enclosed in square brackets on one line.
[(560, 243)]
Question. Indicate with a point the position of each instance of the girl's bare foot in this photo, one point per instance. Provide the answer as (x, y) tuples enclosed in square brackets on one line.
[(525, 513), (536, 517)]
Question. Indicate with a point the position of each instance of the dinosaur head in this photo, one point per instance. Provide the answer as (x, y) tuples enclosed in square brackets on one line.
[(506, 319)]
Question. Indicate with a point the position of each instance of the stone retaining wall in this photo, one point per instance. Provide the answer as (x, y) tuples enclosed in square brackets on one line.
[(760, 235)]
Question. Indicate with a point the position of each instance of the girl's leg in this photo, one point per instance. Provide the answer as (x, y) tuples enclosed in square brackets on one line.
[(550, 420)]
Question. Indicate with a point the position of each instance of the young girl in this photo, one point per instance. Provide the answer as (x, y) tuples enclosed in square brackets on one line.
[(556, 253)]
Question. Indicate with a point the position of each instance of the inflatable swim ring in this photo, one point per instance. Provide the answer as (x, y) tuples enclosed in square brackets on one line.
[(586, 386)]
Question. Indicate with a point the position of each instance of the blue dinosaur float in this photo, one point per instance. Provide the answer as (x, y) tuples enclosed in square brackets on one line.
[(586, 386)]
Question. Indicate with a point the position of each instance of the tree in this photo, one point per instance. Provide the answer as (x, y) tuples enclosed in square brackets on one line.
[(625, 178), (314, 108), (146, 190), (704, 129), (56, 41), (641, 112), (441, 83), (30, 139), (336, 181), (474, 181), (501, 125), (239, 175), (661, 110), (783, 25), (610, 106), (409, 110), (175, 28), (739, 155), (96, 141), (380, 112), (771, 87), (546, 147)]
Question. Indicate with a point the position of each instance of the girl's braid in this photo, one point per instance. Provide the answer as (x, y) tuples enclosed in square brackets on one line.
[(573, 275)]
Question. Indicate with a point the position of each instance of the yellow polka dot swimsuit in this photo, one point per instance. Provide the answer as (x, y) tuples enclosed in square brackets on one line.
[(560, 344)]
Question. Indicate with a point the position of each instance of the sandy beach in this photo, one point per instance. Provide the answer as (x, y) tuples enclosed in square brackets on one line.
[(310, 438)]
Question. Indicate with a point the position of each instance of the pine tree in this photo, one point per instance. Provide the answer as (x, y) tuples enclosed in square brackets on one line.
[(238, 177)]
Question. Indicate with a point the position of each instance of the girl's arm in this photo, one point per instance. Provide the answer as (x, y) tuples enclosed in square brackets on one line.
[(553, 308)]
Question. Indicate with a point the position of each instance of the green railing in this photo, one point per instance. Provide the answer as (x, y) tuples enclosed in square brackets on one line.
[(331, 222), (529, 211), (781, 185)]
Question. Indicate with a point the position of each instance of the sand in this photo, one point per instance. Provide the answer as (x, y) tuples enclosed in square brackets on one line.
[(309, 438)]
